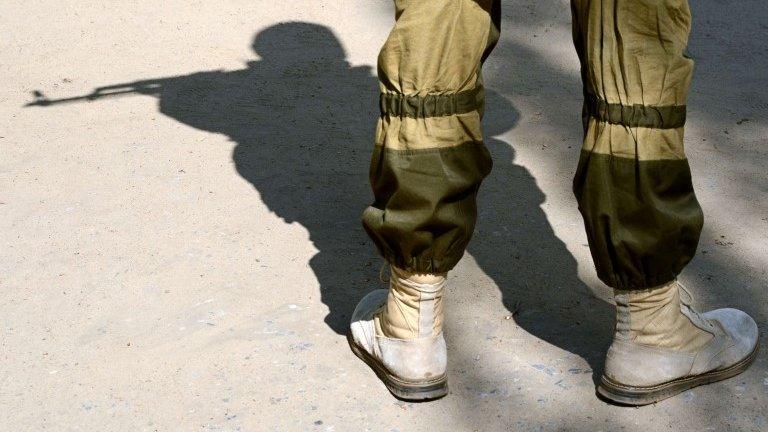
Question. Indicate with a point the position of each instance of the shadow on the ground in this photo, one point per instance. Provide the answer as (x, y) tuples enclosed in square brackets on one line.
[(302, 118), (516, 246)]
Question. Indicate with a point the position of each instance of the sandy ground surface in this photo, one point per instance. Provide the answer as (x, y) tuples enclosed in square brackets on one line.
[(184, 253)]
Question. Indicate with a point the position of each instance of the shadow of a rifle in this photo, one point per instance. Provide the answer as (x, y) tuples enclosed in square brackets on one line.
[(146, 87)]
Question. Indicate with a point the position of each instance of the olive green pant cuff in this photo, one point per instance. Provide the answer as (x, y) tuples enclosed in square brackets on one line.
[(422, 264), (636, 283)]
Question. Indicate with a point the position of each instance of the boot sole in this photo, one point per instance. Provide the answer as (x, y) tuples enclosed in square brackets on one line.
[(404, 390), (635, 396)]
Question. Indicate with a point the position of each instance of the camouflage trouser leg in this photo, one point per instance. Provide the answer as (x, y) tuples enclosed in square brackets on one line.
[(429, 158), (633, 183)]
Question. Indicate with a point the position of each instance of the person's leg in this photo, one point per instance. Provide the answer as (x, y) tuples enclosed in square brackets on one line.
[(427, 165), (633, 185), (429, 158)]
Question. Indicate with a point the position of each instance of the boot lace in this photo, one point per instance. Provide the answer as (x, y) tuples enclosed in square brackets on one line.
[(687, 303), (382, 273)]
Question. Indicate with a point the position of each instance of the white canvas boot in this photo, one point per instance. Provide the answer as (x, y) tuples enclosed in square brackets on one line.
[(398, 333), (662, 346)]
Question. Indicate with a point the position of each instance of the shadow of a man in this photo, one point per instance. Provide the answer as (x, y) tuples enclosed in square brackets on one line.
[(303, 119)]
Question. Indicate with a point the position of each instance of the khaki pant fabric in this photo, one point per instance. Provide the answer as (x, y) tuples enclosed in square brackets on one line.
[(429, 157), (632, 183)]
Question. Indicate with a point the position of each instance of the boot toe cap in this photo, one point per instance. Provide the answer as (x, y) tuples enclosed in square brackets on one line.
[(741, 329)]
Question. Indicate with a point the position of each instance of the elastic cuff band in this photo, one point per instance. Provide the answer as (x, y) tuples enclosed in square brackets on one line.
[(431, 105), (421, 265), (656, 117)]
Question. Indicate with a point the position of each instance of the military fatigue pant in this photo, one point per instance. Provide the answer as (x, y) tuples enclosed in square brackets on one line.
[(633, 182)]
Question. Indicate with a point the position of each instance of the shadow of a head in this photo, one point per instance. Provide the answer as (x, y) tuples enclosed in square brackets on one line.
[(298, 42)]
